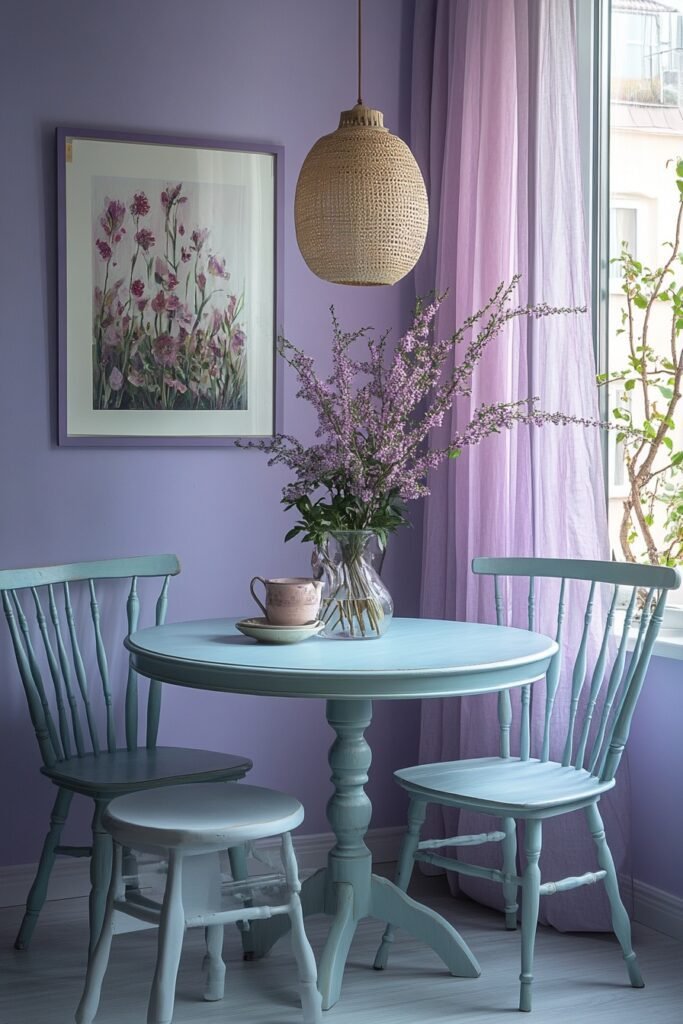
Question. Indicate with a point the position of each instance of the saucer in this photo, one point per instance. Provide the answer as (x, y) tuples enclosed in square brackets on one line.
[(266, 633)]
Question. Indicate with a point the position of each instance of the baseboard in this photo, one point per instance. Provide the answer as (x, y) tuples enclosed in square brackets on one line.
[(70, 877), (654, 907)]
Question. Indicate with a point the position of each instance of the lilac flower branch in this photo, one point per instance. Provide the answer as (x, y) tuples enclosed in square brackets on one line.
[(376, 413)]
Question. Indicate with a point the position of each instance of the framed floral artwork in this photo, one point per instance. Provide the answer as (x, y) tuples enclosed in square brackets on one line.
[(170, 283)]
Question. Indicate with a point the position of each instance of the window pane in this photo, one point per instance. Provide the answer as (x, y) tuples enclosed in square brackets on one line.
[(644, 343)]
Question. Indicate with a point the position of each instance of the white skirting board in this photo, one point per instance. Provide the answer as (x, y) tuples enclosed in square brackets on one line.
[(70, 878)]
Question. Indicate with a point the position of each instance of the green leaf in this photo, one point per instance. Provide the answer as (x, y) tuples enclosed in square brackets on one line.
[(454, 452), (666, 392), (629, 385)]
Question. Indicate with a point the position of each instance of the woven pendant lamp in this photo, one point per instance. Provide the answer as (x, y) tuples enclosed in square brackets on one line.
[(361, 209)]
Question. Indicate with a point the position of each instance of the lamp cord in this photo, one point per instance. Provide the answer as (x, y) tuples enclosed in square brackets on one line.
[(359, 52)]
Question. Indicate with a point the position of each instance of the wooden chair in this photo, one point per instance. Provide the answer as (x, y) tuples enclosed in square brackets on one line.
[(536, 788), (68, 723), (185, 824)]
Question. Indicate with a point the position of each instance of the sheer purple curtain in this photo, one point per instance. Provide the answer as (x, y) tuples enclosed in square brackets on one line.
[(494, 127)]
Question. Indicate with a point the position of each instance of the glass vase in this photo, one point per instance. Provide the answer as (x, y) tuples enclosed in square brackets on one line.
[(355, 603)]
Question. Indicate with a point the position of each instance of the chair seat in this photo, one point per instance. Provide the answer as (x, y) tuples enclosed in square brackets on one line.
[(119, 772), (215, 815), (504, 785)]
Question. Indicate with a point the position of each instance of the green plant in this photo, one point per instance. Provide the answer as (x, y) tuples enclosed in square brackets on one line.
[(652, 324)]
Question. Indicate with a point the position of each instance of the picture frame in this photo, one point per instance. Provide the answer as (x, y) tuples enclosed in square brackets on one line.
[(169, 289)]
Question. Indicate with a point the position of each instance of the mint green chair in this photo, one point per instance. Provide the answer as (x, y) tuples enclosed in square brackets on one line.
[(534, 788), (75, 719)]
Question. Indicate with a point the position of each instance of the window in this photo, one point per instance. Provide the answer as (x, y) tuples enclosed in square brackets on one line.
[(645, 142), (623, 231)]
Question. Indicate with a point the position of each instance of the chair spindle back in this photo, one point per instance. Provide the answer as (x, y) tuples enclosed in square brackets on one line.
[(66, 723), (597, 730)]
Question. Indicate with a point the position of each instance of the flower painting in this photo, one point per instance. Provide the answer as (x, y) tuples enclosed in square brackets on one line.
[(168, 331), (169, 286)]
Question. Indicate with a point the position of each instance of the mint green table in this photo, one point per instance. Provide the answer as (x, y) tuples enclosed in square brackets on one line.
[(417, 658)]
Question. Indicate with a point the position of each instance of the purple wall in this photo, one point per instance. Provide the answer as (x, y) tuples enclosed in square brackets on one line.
[(655, 765), (266, 70)]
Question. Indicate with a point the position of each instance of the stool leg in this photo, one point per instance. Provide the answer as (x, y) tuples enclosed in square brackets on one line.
[(97, 964), (237, 855), (171, 932), (311, 1000), (215, 982)]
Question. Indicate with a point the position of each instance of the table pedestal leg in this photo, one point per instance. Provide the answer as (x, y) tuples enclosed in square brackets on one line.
[(346, 889)]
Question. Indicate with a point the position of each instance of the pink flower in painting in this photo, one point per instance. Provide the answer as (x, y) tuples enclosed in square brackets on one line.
[(171, 195), (159, 302), (238, 341), (112, 218), (232, 303), (217, 267), (164, 276), (173, 302), (199, 236), (145, 239), (104, 249), (181, 229), (165, 350), (185, 255), (201, 281), (140, 205), (175, 385), (142, 305), (216, 320), (112, 336), (136, 378), (138, 288), (115, 379)]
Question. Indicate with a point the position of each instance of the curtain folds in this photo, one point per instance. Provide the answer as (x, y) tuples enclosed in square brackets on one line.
[(495, 131)]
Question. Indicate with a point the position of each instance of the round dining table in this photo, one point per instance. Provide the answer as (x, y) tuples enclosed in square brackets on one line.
[(415, 659)]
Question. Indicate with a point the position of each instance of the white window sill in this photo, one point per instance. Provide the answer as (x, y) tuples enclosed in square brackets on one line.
[(669, 643)]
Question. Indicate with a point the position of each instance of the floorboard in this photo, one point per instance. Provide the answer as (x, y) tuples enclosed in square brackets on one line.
[(580, 978)]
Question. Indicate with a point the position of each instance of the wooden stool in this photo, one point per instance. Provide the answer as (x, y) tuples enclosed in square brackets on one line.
[(181, 823)]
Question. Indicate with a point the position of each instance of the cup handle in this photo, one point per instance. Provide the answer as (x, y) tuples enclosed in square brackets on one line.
[(251, 588)]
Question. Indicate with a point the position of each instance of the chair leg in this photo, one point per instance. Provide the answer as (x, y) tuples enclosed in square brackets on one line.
[(97, 965), (100, 873), (510, 868), (237, 856), (171, 932), (311, 1000), (38, 891), (417, 811), (531, 884), (620, 919), (215, 982)]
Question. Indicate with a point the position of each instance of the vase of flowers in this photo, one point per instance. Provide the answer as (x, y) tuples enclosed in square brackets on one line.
[(372, 454), (355, 605)]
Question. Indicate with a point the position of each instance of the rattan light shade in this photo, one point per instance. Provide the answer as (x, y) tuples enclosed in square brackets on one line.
[(361, 209)]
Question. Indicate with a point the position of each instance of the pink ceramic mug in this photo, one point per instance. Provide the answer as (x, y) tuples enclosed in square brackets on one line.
[(290, 601)]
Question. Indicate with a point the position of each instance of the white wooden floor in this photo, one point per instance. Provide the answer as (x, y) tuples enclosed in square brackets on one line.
[(580, 978)]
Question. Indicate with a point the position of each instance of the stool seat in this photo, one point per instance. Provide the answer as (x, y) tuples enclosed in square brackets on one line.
[(224, 814)]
